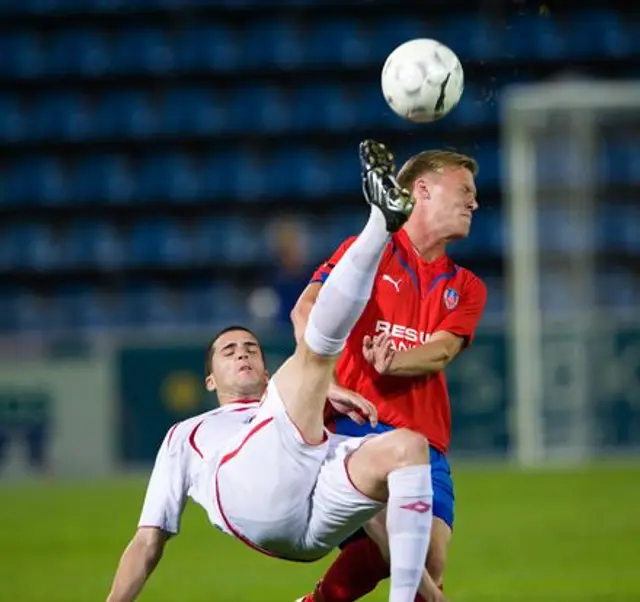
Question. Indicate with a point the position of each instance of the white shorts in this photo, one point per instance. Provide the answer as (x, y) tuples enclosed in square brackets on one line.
[(285, 497)]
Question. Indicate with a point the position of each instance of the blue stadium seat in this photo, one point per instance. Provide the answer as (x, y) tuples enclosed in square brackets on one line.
[(597, 34), (273, 43), (59, 116), (159, 241), (168, 176), (216, 304), (146, 305), (338, 41), (35, 313), (250, 177), (232, 240), (34, 181), (258, 108), (101, 179), (12, 119), (80, 309), (78, 53), (537, 36), (217, 174), (204, 48), (320, 106), (95, 244), (300, 171), (21, 54), (34, 247), (142, 50), (345, 171), (191, 111), (127, 114)]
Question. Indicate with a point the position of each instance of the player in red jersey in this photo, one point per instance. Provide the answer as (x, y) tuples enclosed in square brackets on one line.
[(423, 312)]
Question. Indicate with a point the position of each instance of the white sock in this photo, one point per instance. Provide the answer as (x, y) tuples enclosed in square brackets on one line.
[(409, 516), (347, 290)]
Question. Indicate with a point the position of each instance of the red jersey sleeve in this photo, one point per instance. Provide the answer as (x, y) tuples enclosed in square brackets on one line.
[(463, 320), (322, 273)]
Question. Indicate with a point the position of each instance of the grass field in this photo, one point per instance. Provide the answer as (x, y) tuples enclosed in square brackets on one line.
[(557, 536)]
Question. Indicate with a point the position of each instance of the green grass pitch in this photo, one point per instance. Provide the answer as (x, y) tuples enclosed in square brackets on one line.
[(556, 536)]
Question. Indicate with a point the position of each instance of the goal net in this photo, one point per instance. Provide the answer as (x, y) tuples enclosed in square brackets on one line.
[(571, 156)]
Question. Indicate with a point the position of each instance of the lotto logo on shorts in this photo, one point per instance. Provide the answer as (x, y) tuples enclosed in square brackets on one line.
[(419, 507)]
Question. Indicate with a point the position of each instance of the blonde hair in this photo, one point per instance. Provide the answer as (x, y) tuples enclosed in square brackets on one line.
[(433, 161)]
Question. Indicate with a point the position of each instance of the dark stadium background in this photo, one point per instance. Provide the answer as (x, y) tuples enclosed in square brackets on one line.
[(171, 166)]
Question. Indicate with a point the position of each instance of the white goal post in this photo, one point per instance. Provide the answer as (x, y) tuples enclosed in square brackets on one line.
[(553, 136)]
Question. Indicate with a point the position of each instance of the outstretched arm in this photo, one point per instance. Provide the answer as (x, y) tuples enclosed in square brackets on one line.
[(139, 559)]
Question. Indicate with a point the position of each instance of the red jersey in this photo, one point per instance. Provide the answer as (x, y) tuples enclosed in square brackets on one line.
[(411, 300)]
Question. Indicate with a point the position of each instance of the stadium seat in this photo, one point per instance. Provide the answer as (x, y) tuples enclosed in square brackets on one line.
[(345, 171), (81, 52), (35, 181), (167, 176), (59, 116), (250, 177), (191, 111), (537, 36), (258, 108), (216, 304), (22, 55), (597, 34), (101, 179), (272, 43), (124, 114), (158, 242), (12, 119), (207, 48), (338, 41), (217, 176), (142, 51), (95, 244)]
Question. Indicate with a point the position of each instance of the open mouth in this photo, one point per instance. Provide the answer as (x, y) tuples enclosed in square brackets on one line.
[(245, 369)]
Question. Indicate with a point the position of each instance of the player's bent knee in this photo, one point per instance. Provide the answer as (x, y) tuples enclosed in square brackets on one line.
[(409, 447)]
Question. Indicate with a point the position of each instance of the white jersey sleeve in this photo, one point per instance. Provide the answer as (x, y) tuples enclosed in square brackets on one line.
[(167, 490)]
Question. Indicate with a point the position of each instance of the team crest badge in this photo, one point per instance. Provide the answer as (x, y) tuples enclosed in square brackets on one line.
[(451, 298)]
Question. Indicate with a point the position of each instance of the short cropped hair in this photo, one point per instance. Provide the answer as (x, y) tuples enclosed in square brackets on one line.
[(208, 358), (433, 161)]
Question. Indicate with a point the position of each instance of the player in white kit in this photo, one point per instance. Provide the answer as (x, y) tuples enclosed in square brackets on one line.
[(267, 471)]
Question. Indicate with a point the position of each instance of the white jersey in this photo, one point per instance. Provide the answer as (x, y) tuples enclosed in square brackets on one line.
[(257, 478), (185, 463)]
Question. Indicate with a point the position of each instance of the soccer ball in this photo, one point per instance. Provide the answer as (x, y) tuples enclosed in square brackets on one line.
[(422, 80)]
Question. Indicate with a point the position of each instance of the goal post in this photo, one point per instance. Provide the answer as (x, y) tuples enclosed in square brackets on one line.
[(568, 157)]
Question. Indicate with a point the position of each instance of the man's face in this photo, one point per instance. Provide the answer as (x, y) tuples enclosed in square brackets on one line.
[(446, 201), (237, 365)]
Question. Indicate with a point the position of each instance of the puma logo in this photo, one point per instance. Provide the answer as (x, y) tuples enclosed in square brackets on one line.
[(396, 283)]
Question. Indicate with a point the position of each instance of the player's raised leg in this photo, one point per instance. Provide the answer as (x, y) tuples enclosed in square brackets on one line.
[(303, 381)]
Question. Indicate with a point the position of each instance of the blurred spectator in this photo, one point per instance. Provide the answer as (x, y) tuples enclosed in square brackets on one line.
[(290, 249)]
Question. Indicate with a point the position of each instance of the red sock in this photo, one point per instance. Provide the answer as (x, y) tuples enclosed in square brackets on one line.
[(354, 573)]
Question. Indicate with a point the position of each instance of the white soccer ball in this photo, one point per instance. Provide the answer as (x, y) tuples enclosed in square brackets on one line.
[(422, 80)]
